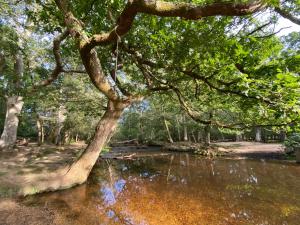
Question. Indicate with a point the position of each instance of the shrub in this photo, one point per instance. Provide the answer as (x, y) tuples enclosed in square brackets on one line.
[(292, 142)]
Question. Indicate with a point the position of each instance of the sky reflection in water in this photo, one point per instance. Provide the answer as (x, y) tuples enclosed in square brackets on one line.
[(183, 189)]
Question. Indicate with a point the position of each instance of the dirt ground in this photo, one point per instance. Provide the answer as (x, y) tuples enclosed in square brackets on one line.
[(23, 164), (252, 149)]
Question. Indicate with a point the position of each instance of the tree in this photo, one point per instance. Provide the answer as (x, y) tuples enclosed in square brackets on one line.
[(123, 83), (21, 76)]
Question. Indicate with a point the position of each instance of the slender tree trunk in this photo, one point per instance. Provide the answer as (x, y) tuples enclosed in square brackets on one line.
[(14, 106), (207, 134), (60, 123), (199, 136), (42, 133), (178, 128), (168, 131), (78, 172), (185, 133), (258, 134), (238, 137), (282, 136), (66, 139), (40, 128), (194, 137), (76, 138)]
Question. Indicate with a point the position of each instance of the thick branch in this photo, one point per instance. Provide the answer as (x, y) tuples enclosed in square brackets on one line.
[(170, 9), (58, 59), (287, 15), (89, 57)]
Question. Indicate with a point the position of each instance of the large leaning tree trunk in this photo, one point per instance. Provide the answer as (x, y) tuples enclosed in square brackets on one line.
[(79, 170), (14, 106)]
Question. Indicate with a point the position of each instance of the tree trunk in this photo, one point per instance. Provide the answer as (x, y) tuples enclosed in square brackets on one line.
[(185, 133), (40, 128), (238, 137), (178, 128), (78, 172), (193, 136), (14, 106), (66, 138), (199, 136), (59, 125), (282, 136), (258, 134), (168, 131), (207, 134)]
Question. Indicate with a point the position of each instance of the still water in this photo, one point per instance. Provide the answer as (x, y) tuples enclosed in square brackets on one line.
[(181, 189)]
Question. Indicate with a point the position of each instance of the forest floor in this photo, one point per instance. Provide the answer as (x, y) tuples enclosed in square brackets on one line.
[(252, 149), (24, 164)]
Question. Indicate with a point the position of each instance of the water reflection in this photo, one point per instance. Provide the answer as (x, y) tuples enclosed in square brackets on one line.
[(182, 189)]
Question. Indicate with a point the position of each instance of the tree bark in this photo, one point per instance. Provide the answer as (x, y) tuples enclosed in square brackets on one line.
[(185, 133), (238, 137), (194, 137), (78, 172), (14, 106), (168, 131), (178, 128), (207, 134), (40, 128), (199, 136), (61, 117), (282, 135), (258, 134)]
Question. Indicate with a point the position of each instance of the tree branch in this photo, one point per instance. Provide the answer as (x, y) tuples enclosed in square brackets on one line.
[(287, 15), (89, 57), (73, 71), (222, 90), (272, 34), (59, 66), (258, 28), (170, 9)]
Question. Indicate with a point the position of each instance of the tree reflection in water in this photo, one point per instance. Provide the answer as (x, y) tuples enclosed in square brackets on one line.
[(182, 189)]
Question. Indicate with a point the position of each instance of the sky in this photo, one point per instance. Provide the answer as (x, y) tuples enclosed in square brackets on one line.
[(286, 23)]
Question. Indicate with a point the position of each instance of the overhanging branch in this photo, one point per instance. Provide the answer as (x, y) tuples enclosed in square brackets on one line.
[(287, 15), (170, 9), (58, 60)]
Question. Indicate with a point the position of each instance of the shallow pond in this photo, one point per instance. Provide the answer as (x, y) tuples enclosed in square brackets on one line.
[(181, 189)]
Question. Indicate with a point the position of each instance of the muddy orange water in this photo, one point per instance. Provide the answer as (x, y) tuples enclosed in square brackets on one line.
[(180, 189)]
